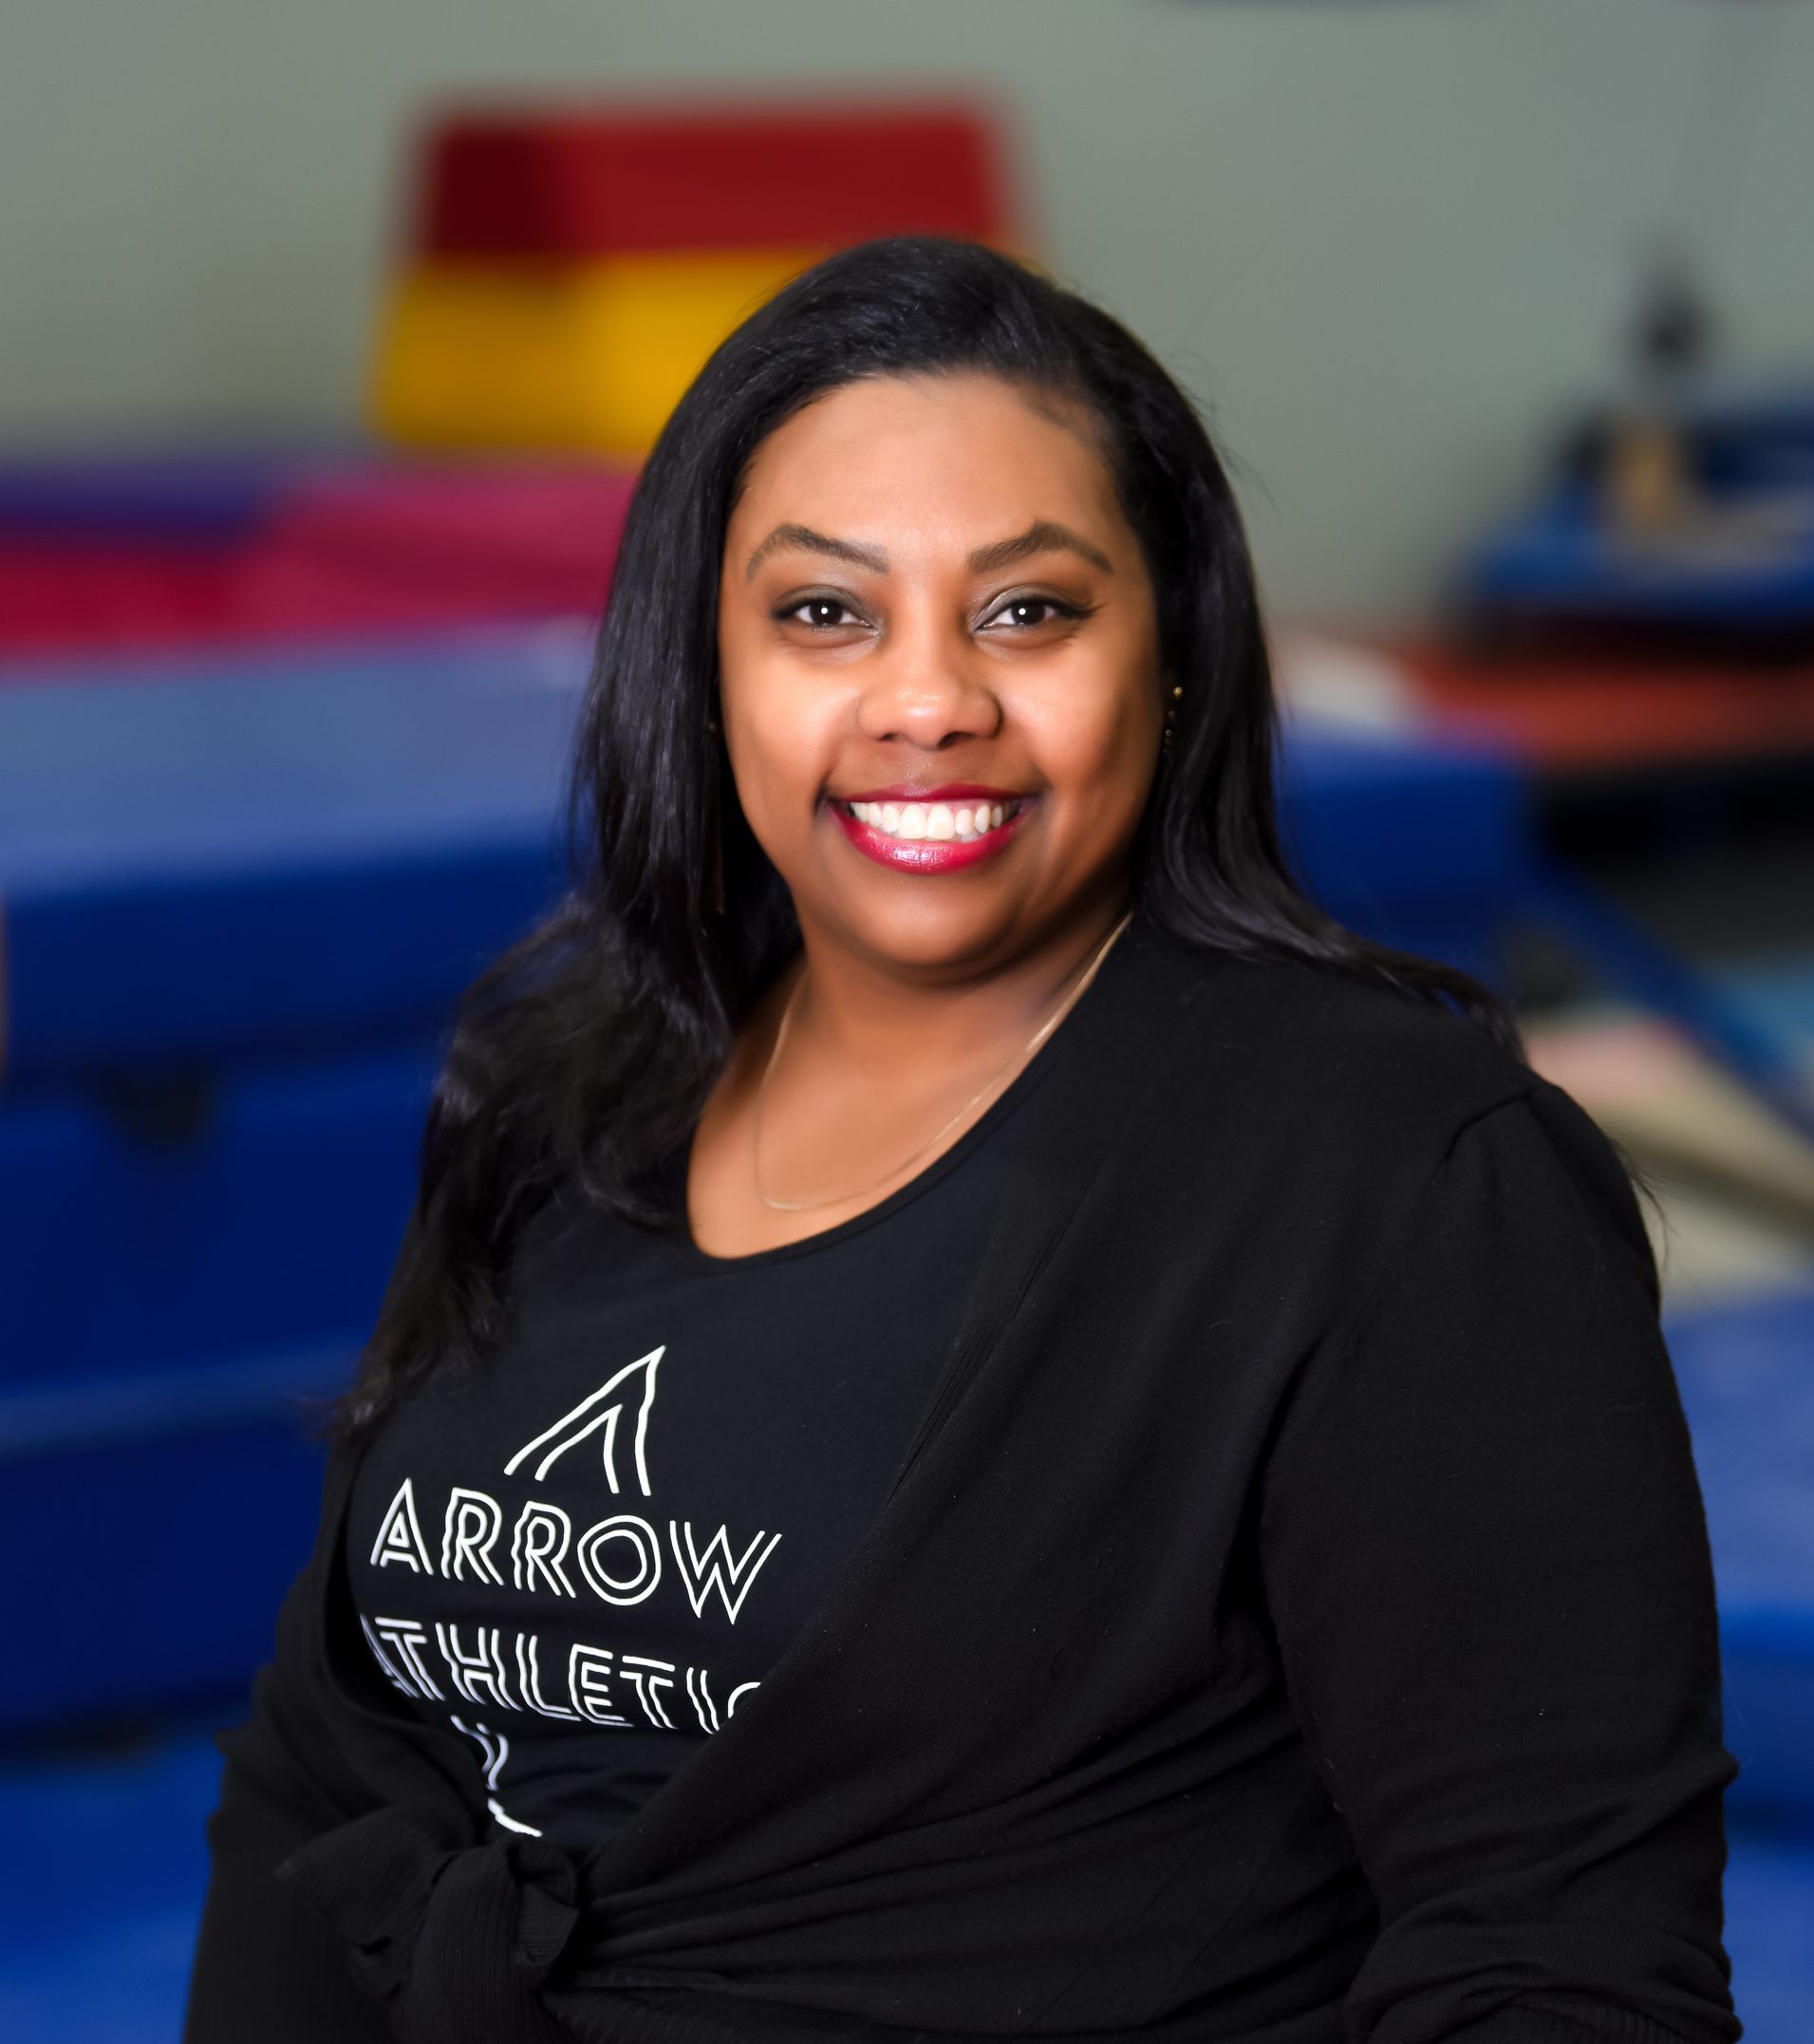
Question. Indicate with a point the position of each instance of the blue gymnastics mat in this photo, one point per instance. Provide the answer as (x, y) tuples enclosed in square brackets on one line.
[(262, 1213), (240, 898), (1748, 564), (1561, 562), (1746, 1369), (215, 857), (1422, 843), (170, 1303)]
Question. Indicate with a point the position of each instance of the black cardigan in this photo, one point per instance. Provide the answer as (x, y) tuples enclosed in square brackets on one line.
[(1292, 1621)]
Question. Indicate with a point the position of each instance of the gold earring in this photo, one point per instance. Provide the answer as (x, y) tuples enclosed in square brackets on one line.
[(1172, 712)]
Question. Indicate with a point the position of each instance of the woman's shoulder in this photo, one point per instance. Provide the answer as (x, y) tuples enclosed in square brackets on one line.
[(1362, 1090), (1339, 1053)]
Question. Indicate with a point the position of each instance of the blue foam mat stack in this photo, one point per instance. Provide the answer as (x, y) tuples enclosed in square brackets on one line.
[(239, 901)]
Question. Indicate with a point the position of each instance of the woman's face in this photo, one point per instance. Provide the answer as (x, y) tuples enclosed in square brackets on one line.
[(931, 606)]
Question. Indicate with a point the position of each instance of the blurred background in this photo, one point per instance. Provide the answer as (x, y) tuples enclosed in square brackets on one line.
[(332, 338)]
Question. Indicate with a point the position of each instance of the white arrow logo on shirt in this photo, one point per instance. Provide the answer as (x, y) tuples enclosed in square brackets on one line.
[(591, 1414)]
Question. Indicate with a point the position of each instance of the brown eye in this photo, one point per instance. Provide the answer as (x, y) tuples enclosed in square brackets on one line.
[(1027, 613), (819, 613)]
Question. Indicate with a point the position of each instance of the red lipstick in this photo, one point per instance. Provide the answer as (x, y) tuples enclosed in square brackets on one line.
[(931, 854)]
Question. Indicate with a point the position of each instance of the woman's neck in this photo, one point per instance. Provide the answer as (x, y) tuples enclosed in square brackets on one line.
[(862, 1012)]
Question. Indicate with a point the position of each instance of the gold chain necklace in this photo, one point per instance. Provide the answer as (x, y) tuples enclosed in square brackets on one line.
[(1045, 1029)]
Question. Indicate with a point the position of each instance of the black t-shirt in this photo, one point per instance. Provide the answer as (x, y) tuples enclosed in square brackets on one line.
[(1290, 1616), (585, 1554)]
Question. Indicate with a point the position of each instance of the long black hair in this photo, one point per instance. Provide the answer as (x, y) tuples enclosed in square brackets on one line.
[(584, 1055)]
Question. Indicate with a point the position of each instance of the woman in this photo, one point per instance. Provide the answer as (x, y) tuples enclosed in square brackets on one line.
[(987, 1425)]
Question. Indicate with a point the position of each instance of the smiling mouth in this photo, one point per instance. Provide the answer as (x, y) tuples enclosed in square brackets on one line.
[(956, 822)]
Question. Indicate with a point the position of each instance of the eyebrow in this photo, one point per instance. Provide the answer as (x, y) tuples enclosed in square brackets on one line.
[(804, 537), (1044, 535)]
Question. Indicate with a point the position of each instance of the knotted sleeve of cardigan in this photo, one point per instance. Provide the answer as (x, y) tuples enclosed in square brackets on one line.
[(265, 1965), (1487, 1561)]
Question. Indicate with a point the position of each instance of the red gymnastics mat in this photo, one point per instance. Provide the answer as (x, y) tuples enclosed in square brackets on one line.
[(326, 549)]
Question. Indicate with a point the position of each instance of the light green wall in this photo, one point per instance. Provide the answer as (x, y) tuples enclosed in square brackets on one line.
[(1389, 241)]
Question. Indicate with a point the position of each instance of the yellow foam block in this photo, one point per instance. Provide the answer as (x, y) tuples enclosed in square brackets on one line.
[(582, 355)]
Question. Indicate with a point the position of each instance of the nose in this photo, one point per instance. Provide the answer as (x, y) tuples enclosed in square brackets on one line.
[(924, 688)]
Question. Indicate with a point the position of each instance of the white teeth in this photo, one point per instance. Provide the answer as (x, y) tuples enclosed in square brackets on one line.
[(935, 821)]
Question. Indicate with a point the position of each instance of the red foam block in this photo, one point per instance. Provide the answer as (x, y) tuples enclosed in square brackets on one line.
[(605, 182)]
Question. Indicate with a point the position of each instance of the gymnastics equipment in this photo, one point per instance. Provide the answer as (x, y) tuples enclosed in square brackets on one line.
[(1731, 565), (237, 902), (568, 271), (544, 181), (591, 355), (125, 555)]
